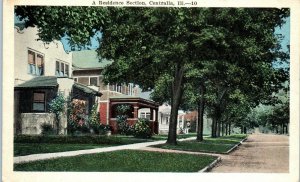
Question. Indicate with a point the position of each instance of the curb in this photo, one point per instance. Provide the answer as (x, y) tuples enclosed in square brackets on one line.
[(210, 166), (234, 147)]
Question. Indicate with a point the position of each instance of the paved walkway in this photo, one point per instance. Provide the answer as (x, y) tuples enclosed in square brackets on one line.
[(259, 153), (34, 157)]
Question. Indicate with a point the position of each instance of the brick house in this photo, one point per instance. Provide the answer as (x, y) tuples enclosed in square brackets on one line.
[(87, 70)]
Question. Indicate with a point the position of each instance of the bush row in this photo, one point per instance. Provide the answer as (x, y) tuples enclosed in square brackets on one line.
[(89, 139)]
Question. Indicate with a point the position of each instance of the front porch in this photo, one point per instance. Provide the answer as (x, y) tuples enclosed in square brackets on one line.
[(136, 103)]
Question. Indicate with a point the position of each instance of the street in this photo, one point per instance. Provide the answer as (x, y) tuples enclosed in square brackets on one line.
[(263, 153)]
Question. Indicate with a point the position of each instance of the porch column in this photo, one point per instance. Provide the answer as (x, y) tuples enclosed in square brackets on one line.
[(135, 111), (156, 115), (151, 114), (156, 121)]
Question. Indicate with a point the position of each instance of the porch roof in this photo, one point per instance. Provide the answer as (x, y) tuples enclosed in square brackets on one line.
[(39, 82), (138, 101), (87, 89), (51, 82)]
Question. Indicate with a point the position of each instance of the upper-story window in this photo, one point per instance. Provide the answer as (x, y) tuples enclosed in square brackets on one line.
[(35, 63), (61, 69), (130, 89), (94, 81)]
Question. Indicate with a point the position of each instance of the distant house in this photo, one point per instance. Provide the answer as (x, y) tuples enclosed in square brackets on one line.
[(41, 71), (164, 113), (191, 118), (87, 70)]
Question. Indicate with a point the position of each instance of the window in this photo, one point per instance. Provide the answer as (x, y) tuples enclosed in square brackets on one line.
[(75, 79), (94, 81), (35, 63), (130, 89), (145, 115), (38, 101), (67, 70), (61, 69), (167, 120), (83, 80), (119, 88)]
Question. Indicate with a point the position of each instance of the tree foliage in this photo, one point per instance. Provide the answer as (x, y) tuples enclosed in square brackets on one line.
[(165, 49)]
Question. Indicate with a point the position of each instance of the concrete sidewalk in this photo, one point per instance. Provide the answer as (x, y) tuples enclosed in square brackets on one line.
[(35, 157)]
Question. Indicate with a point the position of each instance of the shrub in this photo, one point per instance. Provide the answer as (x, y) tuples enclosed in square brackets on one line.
[(123, 109), (94, 120), (125, 129), (57, 106), (78, 119), (141, 129), (47, 129), (59, 139)]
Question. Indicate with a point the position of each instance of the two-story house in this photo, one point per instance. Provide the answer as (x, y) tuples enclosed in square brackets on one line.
[(87, 70), (41, 71)]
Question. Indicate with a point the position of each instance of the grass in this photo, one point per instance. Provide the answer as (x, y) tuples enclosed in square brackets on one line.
[(210, 145), (122, 161), (29, 144), (179, 136), (26, 145)]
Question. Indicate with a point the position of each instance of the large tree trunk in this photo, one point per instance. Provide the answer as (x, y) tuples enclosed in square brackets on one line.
[(219, 128), (201, 105), (57, 124), (223, 129), (176, 95), (213, 127), (215, 122)]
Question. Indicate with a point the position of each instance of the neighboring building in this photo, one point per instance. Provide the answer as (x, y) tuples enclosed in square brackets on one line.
[(41, 71), (164, 114), (191, 118), (87, 70)]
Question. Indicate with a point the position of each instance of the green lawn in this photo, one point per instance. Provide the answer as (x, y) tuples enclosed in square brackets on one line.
[(210, 145), (122, 161), (179, 136), (26, 145)]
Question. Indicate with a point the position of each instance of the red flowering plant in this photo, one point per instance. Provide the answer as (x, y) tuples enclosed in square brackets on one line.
[(78, 118)]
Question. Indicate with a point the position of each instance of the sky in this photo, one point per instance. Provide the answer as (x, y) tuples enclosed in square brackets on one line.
[(285, 31)]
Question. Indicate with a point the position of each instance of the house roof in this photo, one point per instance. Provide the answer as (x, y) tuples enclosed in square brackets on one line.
[(39, 82), (51, 82), (86, 89), (127, 99), (88, 59)]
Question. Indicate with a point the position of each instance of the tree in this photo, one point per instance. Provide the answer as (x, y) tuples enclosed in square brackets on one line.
[(147, 44)]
